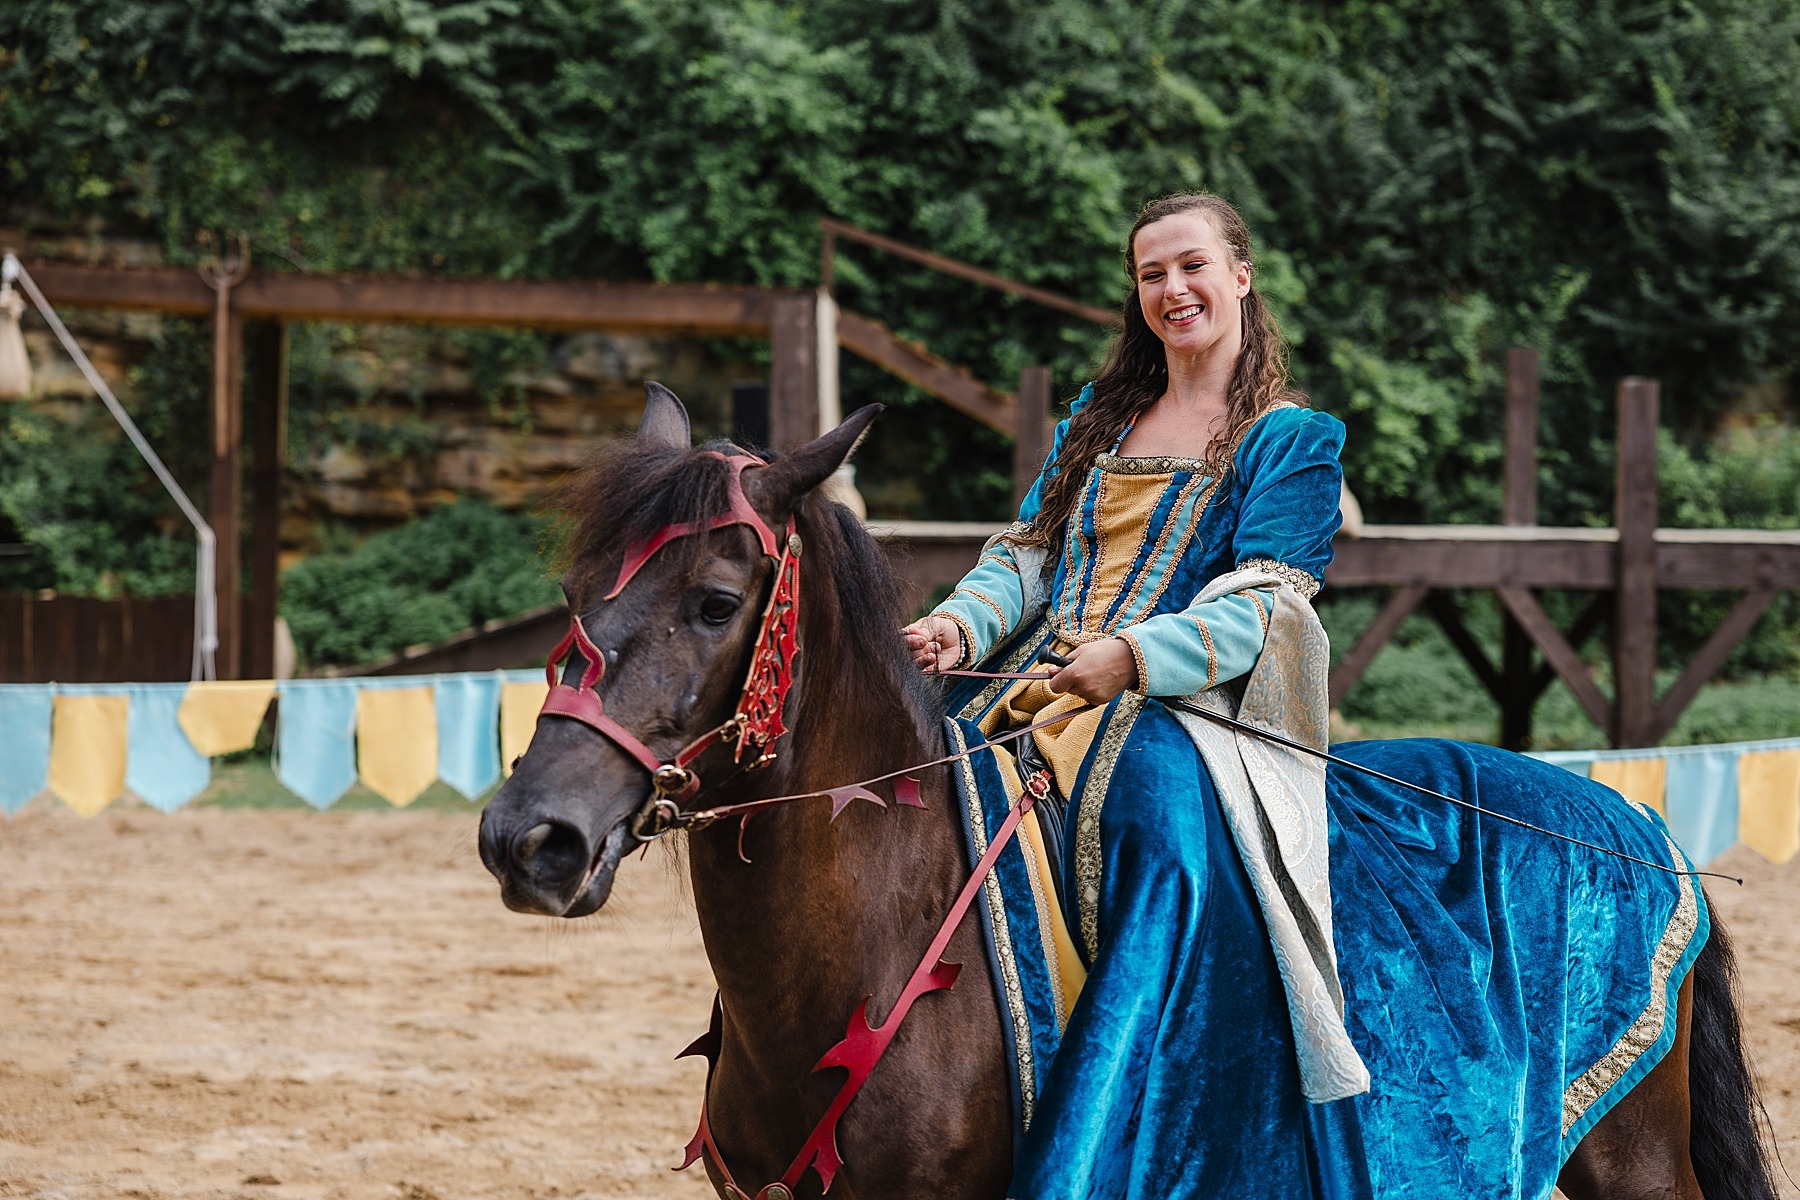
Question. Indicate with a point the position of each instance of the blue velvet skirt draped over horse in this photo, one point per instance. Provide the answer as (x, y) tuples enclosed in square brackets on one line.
[(1503, 988)]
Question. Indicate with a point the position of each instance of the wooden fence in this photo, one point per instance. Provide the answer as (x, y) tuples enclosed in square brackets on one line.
[(78, 639)]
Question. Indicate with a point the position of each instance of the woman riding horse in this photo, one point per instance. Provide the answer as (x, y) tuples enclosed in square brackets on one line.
[(1221, 887), (1273, 981)]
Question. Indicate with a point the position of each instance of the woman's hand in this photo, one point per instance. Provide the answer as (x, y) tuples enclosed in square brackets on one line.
[(1098, 671), (935, 643)]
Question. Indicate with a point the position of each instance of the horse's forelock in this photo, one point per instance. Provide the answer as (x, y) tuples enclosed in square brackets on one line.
[(628, 489)]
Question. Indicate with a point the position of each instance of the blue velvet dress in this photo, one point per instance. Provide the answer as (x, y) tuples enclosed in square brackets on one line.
[(1503, 988)]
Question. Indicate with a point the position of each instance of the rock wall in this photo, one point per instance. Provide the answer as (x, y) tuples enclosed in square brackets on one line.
[(385, 422)]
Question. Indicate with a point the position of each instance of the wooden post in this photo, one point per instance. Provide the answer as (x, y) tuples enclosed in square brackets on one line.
[(269, 387), (1634, 508), (1031, 429), (793, 371), (1518, 507), (224, 496)]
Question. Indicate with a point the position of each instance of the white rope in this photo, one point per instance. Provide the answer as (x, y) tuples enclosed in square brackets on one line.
[(206, 601)]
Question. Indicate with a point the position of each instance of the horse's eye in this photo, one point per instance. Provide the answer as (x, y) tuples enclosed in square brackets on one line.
[(719, 608)]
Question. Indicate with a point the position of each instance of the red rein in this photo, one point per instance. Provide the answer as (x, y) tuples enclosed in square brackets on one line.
[(752, 730)]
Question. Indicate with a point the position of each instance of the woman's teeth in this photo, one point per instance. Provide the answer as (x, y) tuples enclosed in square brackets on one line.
[(1184, 314)]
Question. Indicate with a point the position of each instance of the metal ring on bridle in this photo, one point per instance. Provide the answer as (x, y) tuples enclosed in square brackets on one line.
[(655, 819)]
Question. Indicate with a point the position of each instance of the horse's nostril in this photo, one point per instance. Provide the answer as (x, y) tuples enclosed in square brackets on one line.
[(551, 853)]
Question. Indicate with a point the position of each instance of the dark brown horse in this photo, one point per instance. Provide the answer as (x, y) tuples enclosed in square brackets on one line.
[(827, 913)]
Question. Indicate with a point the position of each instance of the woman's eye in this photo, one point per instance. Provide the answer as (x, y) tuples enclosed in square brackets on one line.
[(718, 608), (1196, 264)]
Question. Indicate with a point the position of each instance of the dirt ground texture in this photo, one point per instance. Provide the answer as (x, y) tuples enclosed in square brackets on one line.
[(322, 1006)]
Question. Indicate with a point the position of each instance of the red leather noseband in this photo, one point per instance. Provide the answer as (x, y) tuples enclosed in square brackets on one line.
[(757, 721)]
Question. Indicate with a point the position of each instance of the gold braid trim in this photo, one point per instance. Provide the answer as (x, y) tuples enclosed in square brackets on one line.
[(1137, 656), (1212, 654), (1003, 944), (1643, 1032), (1089, 859), (1299, 580), (967, 654)]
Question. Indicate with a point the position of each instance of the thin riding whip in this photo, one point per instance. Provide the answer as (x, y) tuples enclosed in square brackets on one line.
[(1052, 658)]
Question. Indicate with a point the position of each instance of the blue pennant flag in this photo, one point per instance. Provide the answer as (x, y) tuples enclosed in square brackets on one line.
[(315, 739), (24, 742), (1701, 798), (161, 765), (468, 716)]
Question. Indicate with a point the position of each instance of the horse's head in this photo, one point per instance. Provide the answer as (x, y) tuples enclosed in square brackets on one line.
[(673, 566)]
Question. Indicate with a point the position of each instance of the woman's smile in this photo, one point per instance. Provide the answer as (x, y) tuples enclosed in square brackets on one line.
[(1186, 315)]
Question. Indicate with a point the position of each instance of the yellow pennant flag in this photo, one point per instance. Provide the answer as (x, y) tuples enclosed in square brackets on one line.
[(88, 736), (396, 742), (1769, 803), (222, 716), (1639, 779), (519, 704)]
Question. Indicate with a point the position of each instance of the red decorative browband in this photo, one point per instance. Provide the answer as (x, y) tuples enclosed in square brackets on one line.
[(759, 719)]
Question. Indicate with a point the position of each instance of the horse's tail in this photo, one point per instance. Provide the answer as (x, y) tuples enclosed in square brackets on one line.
[(1726, 1116)]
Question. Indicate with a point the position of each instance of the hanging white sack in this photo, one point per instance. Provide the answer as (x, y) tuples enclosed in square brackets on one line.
[(15, 364)]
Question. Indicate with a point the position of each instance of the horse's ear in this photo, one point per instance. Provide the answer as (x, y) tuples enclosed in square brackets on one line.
[(665, 420), (779, 488)]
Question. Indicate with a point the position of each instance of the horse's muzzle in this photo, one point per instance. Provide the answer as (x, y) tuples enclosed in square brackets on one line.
[(547, 865)]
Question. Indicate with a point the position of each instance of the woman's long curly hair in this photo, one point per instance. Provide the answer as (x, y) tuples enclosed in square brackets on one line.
[(1136, 373)]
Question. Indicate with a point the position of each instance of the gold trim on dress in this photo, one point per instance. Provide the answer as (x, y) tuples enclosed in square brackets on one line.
[(1161, 464), (1003, 946), (967, 654), (1644, 1032), (1089, 861), (1297, 578), (984, 699)]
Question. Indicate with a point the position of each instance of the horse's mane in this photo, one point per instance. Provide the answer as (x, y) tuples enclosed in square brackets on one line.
[(626, 490)]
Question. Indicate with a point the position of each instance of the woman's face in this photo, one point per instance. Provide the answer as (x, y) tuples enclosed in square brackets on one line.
[(1189, 284)]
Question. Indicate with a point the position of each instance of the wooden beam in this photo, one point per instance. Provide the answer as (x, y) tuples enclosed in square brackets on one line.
[(1519, 506), (1444, 610), (1728, 558), (269, 388), (1468, 556), (1517, 694), (524, 640), (1634, 509), (794, 372), (225, 492), (1350, 668), (1733, 629), (564, 304), (1586, 625), (962, 270), (925, 370), (1031, 429), (1557, 652)]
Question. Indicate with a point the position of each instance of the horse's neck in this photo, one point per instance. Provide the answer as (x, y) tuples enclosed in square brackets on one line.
[(828, 912)]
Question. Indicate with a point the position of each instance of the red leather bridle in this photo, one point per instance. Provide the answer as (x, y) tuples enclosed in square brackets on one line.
[(755, 724)]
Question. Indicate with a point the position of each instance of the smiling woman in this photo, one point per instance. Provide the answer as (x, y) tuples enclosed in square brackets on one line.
[(1295, 982)]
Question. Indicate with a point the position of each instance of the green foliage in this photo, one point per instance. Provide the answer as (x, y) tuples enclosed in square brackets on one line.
[(75, 489), (1418, 686), (1616, 183), (461, 564)]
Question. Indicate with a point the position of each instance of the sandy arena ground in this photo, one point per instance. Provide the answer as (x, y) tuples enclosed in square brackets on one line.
[(290, 1004)]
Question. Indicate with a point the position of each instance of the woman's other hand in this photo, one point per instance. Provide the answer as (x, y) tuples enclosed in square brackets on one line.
[(1098, 671), (935, 643)]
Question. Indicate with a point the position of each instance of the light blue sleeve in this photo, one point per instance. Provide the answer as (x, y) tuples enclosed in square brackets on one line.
[(989, 604), (1290, 512), (1202, 646)]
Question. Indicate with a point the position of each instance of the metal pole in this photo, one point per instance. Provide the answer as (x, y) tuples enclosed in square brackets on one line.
[(206, 618)]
